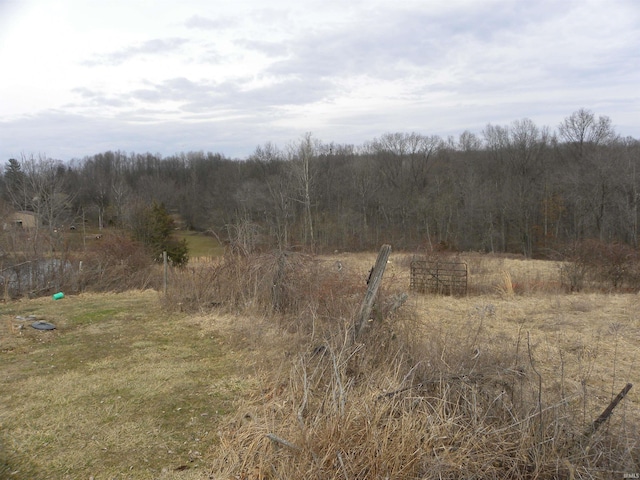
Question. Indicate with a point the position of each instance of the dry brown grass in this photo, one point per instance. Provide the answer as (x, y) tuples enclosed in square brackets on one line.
[(270, 284), (498, 385), (502, 383)]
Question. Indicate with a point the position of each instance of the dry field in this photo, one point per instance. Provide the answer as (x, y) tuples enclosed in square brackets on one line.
[(502, 383)]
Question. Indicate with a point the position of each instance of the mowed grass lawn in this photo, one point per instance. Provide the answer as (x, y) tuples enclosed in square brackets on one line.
[(118, 389)]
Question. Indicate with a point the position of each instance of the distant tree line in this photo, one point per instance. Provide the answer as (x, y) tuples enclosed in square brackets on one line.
[(517, 188)]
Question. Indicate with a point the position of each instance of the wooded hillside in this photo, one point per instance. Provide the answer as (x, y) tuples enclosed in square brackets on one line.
[(518, 188)]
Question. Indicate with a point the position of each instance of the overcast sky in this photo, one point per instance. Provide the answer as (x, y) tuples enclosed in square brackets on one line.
[(79, 77)]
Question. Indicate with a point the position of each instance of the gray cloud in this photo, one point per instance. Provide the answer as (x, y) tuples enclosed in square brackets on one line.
[(269, 48), (209, 96), (158, 46), (49, 133), (486, 44), (224, 127), (204, 23), (349, 72), (96, 99)]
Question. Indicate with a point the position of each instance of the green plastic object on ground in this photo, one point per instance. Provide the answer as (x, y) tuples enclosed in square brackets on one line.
[(58, 296)]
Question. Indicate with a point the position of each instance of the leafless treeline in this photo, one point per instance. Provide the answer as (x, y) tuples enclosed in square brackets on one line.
[(514, 188)]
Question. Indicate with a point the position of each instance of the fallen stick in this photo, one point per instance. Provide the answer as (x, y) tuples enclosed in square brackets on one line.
[(608, 411), (282, 441)]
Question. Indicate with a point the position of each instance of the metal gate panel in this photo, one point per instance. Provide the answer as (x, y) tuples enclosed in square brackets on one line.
[(445, 278)]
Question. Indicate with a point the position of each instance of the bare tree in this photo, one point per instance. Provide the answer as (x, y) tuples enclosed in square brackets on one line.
[(469, 142), (43, 190), (277, 204), (592, 171), (404, 162), (301, 156), (582, 131), (518, 151), (404, 158)]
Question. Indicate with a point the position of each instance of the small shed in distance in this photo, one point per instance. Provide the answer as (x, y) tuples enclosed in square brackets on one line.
[(26, 220)]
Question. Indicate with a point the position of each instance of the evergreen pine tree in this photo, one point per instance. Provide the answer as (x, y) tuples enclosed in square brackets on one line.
[(155, 232)]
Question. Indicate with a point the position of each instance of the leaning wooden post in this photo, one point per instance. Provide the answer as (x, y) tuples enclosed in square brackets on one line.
[(374, 282), (165, 262)]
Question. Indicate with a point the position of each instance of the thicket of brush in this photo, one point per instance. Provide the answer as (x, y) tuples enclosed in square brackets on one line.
[(116, 263), (288, 284), (408, 399), (111, 262)]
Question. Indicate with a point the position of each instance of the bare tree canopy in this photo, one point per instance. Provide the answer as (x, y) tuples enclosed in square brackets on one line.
[(519, 187)]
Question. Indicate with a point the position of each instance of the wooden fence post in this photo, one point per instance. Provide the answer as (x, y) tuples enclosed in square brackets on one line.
[(374, 282), (165, 262)]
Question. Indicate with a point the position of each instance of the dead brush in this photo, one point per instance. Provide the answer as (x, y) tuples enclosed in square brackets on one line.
[(192, 288), (236, 283), (506, 286), (332, 421), (117, 263), (411, 399), (276, 283)]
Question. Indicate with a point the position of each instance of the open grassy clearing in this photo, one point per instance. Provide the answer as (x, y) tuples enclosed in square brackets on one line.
[(578, 342), (594, 337), (200, 245), (119, 389)]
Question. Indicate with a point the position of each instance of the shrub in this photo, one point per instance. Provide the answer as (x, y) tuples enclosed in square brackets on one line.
[(282, 283), (115, 262), (600, 264)]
